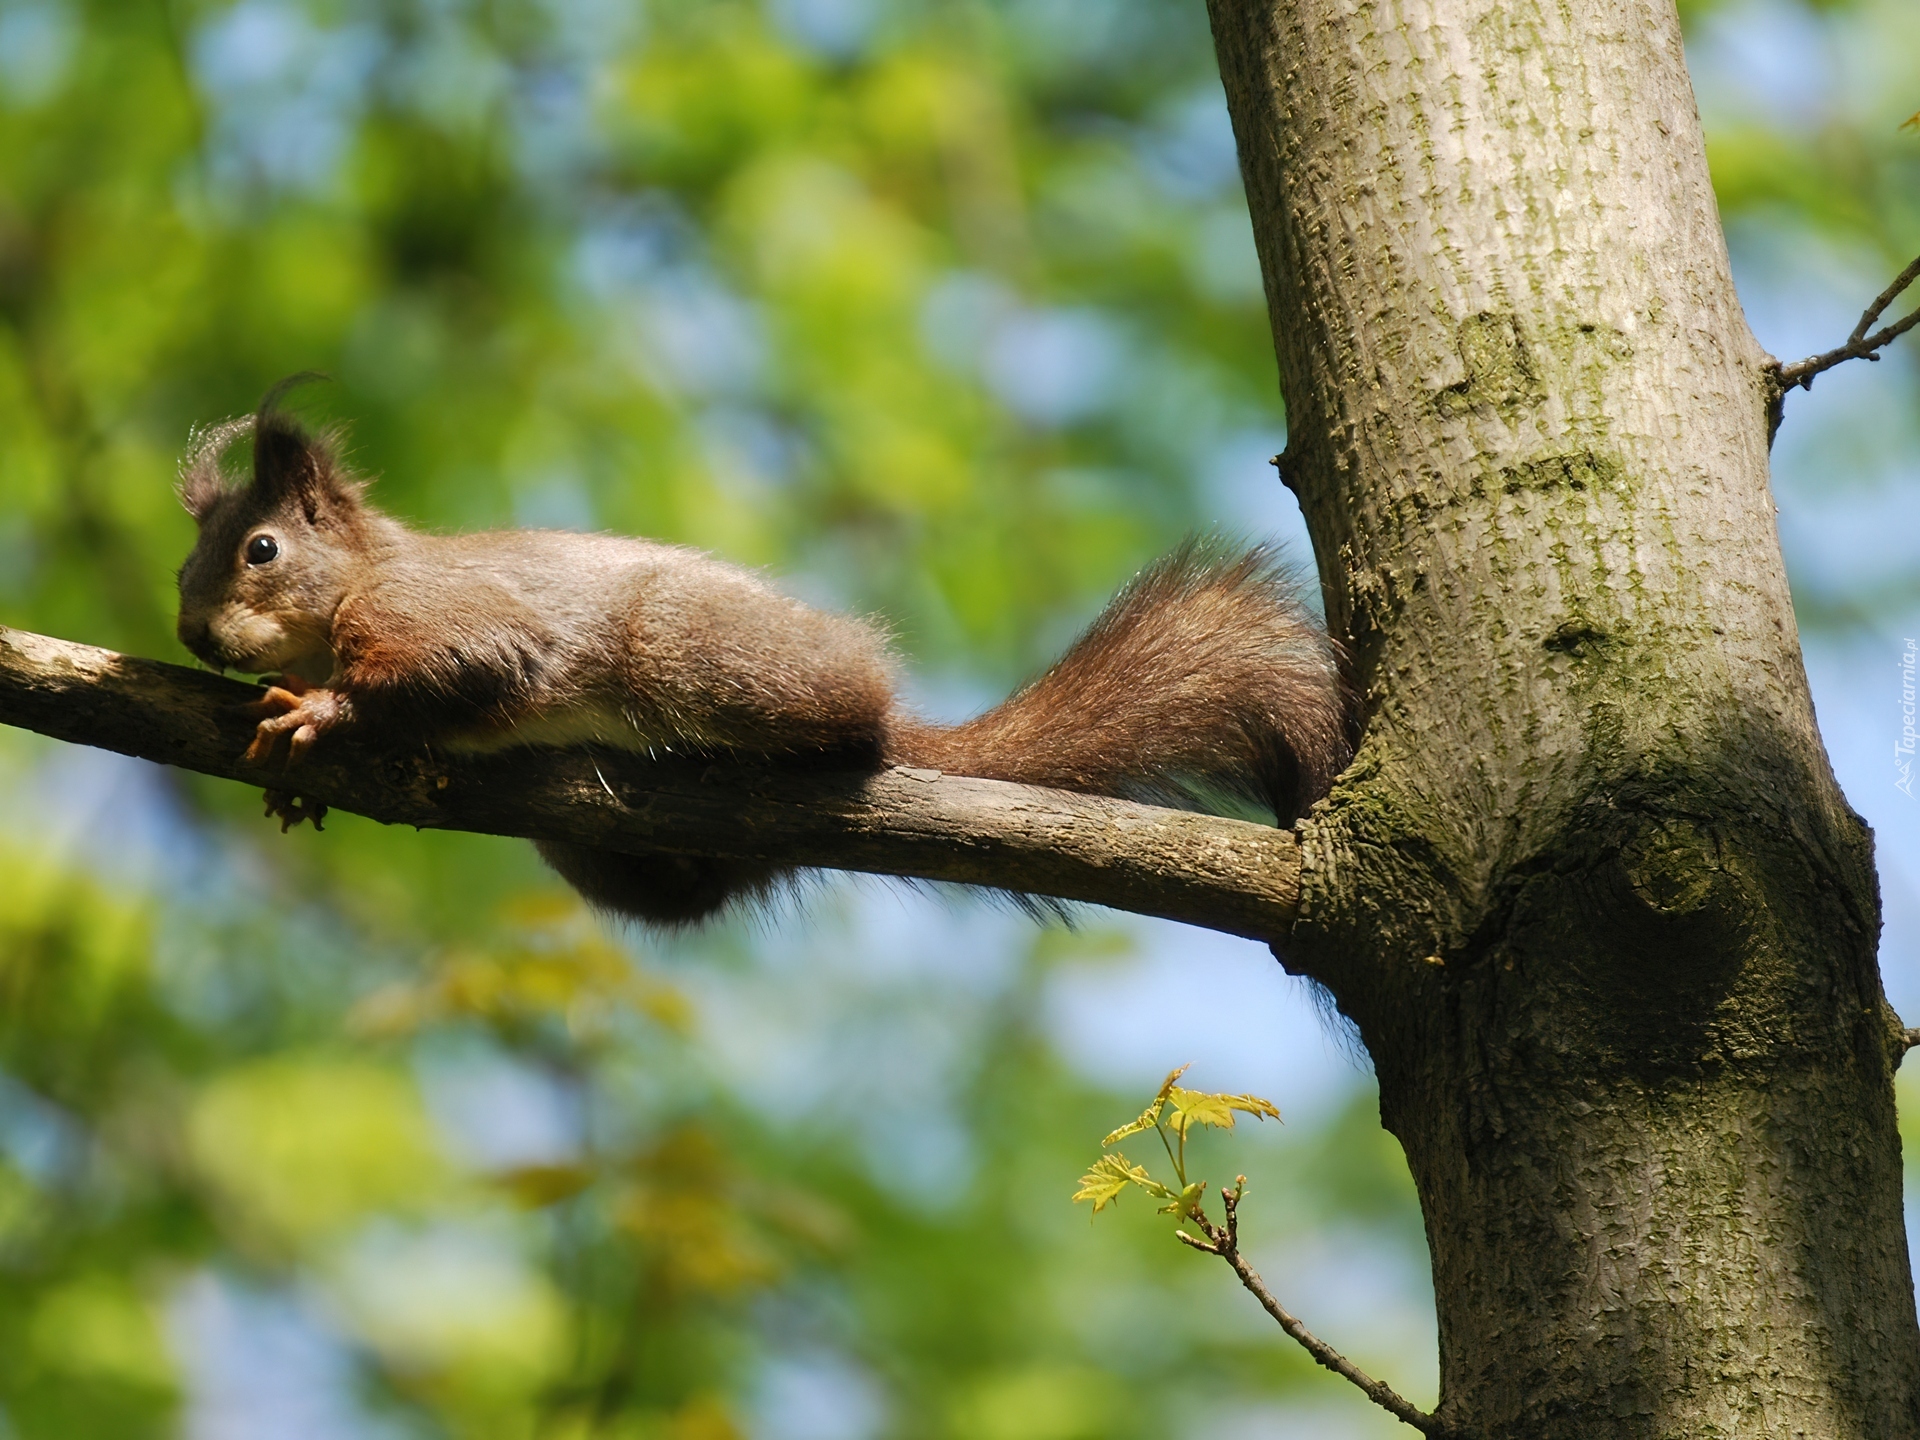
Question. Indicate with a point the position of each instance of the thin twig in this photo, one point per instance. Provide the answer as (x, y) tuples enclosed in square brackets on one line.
[(1910, 1038), (1224, 1241), (1859, 346)]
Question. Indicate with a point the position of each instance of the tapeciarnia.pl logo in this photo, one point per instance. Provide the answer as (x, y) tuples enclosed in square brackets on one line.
[(1903, 747)]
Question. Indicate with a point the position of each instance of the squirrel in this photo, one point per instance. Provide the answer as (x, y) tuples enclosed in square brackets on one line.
[(1204, 675)]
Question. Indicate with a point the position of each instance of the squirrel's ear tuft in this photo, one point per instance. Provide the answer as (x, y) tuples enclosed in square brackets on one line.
[(292, 464), (201, 482)]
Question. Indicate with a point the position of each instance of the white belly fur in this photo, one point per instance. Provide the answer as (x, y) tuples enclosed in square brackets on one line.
[(576, 725)]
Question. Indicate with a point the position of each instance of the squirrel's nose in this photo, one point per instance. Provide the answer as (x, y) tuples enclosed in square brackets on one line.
[(197, 636)]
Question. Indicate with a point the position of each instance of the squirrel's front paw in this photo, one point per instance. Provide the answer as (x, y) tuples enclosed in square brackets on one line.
[(299, 715)]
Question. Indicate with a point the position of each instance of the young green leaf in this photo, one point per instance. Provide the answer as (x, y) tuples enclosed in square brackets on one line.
[(1133, 1127), (1166, 1085), (1112, 1174), (1196, 1107), (1151, 1115), (1200, 1107), (1186, 1203)]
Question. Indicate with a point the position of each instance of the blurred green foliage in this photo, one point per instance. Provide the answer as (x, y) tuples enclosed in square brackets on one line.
[(945, 309)]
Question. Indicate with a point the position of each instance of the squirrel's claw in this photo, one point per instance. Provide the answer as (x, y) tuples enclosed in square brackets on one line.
[(299, 715), (279, 700), (266, 738), (290, 809), (300, 742)]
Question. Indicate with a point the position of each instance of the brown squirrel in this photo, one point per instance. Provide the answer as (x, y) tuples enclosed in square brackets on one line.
[(1204, 674)]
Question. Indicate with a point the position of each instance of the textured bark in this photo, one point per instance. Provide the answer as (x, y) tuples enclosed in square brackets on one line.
[(1225, 874), (1590, 892)]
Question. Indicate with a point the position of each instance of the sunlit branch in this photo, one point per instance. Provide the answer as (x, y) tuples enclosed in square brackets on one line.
[(1860, 345), (1224, 874), (1224, 1241)]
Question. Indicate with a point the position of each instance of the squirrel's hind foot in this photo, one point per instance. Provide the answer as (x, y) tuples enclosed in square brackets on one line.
[(290, 809)]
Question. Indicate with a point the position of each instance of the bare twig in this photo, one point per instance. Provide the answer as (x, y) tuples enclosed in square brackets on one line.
[(1224, 874), (1909, 1038), (1860, 345), (1224, 1241)]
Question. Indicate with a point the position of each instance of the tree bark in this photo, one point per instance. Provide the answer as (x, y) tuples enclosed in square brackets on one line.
[(1590, 892)]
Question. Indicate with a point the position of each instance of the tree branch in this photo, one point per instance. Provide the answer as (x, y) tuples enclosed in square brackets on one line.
[(1224, 874), (1859, 346), (1224, 1241)]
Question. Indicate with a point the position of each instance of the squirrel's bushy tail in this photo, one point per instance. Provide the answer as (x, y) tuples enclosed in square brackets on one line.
[(1206, 673), (1204, 676)]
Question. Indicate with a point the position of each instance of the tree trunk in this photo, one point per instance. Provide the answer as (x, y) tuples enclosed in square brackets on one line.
[(1590, 892)]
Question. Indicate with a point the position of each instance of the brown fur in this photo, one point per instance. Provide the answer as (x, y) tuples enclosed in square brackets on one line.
[(1205, 674)]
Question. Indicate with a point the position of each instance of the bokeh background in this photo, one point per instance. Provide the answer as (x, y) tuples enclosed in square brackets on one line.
[(942, 309)]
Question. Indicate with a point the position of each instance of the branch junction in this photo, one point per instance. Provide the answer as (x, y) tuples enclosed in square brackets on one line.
[(1865, 343)]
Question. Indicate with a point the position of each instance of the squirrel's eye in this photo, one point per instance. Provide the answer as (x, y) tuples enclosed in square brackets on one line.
[(261, 549)]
